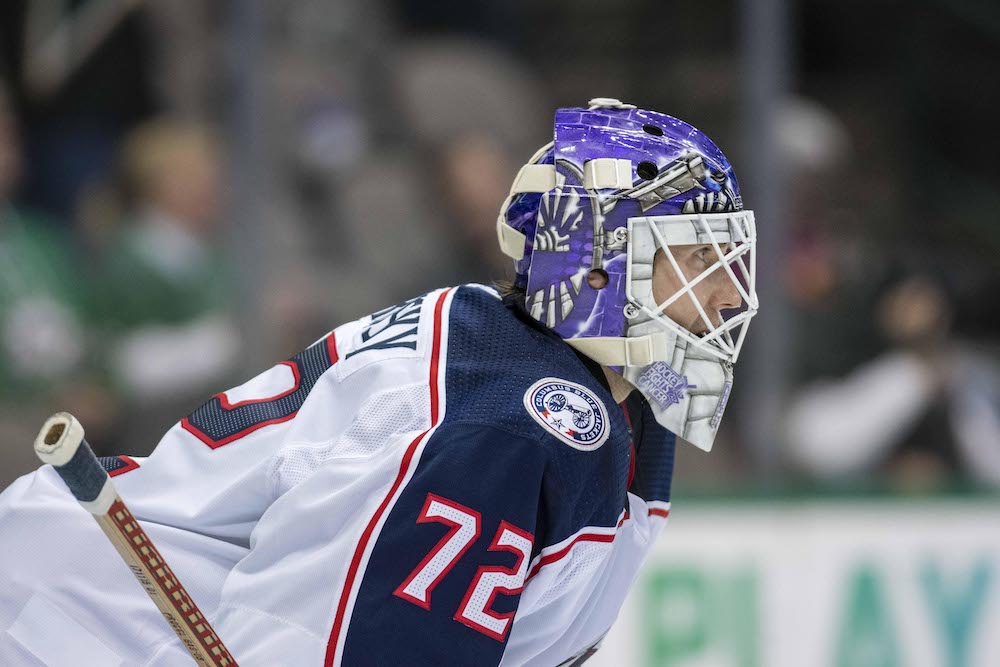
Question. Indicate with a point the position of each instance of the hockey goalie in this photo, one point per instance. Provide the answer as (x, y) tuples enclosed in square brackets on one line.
[(471, 477)]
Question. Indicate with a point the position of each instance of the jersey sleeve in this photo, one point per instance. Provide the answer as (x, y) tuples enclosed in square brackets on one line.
[(267, 501), (209, 473), (199, 496)]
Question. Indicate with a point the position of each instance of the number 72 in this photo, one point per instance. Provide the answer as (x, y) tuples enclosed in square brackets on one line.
[(465, 527)]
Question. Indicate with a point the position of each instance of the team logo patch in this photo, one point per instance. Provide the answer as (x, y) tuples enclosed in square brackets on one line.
[(569, 411), (663, 384)]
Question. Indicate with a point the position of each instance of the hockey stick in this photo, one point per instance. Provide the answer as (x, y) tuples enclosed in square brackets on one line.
[(61, 443)]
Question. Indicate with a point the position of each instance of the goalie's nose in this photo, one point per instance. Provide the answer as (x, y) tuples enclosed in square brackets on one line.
[(728, 295), (724, 295)]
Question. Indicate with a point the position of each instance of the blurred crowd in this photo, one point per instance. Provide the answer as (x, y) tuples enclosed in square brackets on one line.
[(385, 135)]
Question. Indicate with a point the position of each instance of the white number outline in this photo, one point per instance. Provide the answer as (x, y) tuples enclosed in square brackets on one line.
[(466, 526), (492, 578)]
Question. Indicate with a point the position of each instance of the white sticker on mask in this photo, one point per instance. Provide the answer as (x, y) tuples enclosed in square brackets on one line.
[(662, 384)]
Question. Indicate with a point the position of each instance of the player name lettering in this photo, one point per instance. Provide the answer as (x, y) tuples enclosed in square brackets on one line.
[(390, 328)]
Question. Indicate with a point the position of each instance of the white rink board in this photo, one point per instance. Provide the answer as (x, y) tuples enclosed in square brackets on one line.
[(817, 584)]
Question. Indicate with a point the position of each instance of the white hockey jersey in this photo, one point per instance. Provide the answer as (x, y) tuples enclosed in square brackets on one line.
[(444, 482)]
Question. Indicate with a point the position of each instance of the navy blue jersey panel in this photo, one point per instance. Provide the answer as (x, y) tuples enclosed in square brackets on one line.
[(480, 470), (217, 423), (654, 452), (494, 357), (112, 463)]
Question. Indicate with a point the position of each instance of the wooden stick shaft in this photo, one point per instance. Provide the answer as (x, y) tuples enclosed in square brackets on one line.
[(159, 581), (61, 443)]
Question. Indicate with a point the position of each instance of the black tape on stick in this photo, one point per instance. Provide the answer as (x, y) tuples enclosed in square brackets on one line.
[(83, 474)]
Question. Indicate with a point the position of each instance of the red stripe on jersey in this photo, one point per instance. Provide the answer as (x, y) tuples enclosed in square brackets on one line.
[(659, 512), (562, 553), (130, 464), (331, 347), (404, 466), (224, 400), (548, 559), (215, 444)]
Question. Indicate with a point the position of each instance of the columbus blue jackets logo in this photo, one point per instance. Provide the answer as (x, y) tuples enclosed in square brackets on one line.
[(569, 411)]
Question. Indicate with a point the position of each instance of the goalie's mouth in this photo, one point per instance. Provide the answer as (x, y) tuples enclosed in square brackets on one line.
[(700, 329)]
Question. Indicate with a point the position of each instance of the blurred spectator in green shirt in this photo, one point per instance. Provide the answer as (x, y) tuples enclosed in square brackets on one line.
[(164, 297)]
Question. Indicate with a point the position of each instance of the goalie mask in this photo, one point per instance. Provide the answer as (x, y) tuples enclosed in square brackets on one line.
[(629, 237)]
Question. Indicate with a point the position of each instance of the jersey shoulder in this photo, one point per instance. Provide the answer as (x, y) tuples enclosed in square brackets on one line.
[(505, 372)]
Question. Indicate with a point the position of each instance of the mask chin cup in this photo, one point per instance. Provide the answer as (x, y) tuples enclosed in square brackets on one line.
[(688, 395)]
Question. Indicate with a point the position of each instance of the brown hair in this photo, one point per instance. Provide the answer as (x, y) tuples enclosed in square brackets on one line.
[(507, 288)]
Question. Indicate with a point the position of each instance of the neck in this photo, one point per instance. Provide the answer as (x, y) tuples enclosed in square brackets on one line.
[(620, 387)]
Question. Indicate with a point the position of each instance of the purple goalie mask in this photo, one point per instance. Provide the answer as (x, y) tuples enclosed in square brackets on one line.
[(584, 222)]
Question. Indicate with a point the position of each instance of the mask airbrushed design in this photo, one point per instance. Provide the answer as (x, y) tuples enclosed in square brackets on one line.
[(584, 222)]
